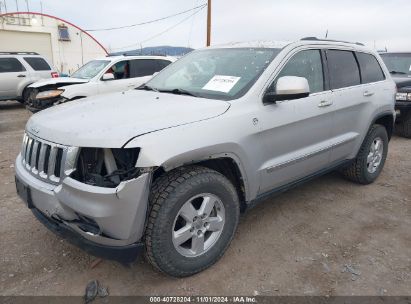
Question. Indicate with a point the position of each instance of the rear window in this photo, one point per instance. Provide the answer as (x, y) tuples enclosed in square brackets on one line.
[(10, 65), (146, 67), (343, 69), (37, 63), (370, 68)]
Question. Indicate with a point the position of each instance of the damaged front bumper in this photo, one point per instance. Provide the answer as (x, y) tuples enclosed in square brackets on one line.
[(36, 105), (107, 222)]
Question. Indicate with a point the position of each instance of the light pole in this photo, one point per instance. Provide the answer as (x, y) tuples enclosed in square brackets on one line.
[(209, 23)]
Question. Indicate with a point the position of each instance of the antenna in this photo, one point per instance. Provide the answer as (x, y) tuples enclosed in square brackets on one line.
[(326, 34)]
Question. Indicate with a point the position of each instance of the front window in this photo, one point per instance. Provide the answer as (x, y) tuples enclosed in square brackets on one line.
[(224, 74), (90, 69), (398, 64), (307, 64)]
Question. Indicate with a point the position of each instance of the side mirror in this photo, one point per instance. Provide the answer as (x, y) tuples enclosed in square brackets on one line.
[(288, 88), (108, 76)]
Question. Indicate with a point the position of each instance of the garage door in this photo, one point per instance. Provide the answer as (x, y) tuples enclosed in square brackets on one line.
[(16, 41)]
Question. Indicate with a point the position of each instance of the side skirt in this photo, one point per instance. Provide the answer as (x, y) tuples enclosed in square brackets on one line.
[(277, 191)]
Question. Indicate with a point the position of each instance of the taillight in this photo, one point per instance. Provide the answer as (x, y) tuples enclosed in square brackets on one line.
[(54, 74)]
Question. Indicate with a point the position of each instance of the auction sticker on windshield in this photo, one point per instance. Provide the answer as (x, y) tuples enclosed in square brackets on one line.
[(221, 83)]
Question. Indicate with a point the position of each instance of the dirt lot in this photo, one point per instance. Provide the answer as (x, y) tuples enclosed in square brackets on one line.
[(327, 237)]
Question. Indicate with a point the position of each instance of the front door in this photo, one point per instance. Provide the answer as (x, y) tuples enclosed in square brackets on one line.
[(295, 134)]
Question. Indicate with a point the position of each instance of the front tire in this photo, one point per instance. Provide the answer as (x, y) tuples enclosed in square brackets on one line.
[(194, 215), (25, 96), (370, 160)]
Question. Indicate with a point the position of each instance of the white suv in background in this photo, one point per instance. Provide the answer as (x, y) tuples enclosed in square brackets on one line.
[(104, 75), (20, 69)]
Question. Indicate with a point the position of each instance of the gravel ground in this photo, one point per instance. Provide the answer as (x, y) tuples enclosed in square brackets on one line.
[(327, 237)]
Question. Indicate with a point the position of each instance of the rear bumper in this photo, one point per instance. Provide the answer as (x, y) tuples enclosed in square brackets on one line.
[(124, 254)]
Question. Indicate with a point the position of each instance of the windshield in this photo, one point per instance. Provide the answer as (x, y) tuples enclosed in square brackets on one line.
[(398, 63), (90, 69), (224, 74)]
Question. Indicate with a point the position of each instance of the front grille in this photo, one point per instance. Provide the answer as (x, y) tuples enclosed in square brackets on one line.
[(43, 159)]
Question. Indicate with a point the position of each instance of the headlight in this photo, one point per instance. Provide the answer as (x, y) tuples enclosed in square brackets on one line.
[(409, 97), (49, 94), (106, 167)]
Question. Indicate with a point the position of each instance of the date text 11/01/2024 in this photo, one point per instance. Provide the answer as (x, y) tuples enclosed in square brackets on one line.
[(203, 299)]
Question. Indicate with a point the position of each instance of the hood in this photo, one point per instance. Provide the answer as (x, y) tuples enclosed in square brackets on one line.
[(110, 120), (402, 82), (61, 81)]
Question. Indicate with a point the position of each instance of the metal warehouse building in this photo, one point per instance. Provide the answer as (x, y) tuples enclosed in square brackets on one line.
[(65, 45)]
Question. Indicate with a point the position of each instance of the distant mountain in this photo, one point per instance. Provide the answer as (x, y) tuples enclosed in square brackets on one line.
[(158, 50)]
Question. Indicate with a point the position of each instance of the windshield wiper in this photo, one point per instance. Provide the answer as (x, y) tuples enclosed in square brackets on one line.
[(147, 88), (178, 91), (397, 72)]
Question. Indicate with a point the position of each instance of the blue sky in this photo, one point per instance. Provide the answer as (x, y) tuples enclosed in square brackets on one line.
[(380, 23)]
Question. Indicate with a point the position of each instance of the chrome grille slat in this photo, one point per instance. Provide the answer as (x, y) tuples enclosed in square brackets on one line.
[(23, 147), (52, 161), (34, 155), (43, 159), (27, 152)]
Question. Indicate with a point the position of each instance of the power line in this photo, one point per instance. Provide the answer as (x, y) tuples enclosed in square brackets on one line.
[(148, 22), (161, 33)]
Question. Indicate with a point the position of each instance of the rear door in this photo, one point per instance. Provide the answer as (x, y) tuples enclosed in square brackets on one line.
[(354, 90), (12, 73), (41, 69), (295, 135)]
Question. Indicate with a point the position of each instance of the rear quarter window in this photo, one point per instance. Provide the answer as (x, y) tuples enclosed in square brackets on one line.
[(371, 70), (343, 68), (37, 63), (10, 65)]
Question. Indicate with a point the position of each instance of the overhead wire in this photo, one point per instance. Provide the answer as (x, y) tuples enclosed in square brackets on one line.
[(200, 8), (148, 22)]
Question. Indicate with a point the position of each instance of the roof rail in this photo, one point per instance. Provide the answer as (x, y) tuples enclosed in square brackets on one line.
[(18, 53), (137, 54), (329, 40)]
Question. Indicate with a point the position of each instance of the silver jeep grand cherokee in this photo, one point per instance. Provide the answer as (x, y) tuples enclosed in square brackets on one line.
[(169, 167)]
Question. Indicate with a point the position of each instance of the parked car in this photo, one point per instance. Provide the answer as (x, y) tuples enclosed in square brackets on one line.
[(168, 168), (399, 65), (100, 76), (20, 69)]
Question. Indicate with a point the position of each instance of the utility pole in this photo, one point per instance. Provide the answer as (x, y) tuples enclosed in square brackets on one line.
[(209, 23)]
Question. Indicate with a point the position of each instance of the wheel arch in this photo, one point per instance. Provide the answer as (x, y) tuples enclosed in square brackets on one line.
[(226, 164), (387, 120)]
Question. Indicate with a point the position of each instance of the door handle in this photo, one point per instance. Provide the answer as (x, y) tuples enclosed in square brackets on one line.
[(21, 75), (368, 94), (325, 103)]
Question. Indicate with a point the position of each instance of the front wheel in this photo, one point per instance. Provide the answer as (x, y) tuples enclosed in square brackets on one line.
[(368, 164), (193, 217)]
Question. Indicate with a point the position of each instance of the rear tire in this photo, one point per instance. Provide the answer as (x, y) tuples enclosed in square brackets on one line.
[(169, 219), (370, 160), (403, 128)]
